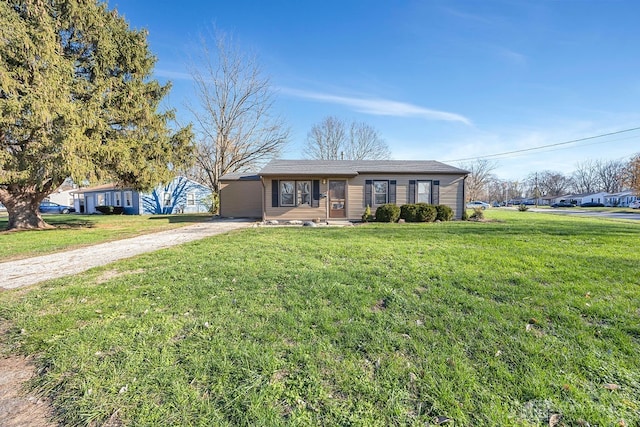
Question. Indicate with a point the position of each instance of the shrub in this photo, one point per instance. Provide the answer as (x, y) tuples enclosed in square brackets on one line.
[(523, 208), (110, 210), (366, 216), (426, 212), (478, 214), (388, 213), (444, 213), (465, 215), (408, 212)]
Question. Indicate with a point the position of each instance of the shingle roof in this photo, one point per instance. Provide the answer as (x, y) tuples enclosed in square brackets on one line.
[(355, 167), (240, 176), (103, 187)]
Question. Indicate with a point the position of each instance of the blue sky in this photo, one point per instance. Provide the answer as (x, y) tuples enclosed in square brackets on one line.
[(441, 80)]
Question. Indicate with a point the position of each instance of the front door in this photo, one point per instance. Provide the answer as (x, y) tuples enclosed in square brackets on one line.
[(337, 199)]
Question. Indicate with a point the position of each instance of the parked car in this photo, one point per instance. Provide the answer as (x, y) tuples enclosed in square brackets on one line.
[(592, 205), (478, 204), (50, 207), (635, 205), (563, 205)]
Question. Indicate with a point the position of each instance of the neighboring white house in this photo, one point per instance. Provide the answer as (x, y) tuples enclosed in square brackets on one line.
[(63, 194), (622, 199), (579, 199)]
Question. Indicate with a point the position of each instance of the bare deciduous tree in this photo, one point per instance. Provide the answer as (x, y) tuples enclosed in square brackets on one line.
[(236, 130), (548, 183), (585, 178), (332, 139), (480, 175), (610, 174)]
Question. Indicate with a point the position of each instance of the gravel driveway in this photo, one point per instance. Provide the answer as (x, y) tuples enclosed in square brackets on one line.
[(25, 272)]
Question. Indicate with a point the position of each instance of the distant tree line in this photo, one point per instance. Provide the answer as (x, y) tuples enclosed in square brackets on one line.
[(589, 176)]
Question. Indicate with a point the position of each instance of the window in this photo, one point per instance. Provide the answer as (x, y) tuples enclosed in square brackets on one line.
[(128, 199), (191, 199), (380, 192), (100, 199), (116, 199), (424, 192), (287, 193), (304, 192), (166, 199)]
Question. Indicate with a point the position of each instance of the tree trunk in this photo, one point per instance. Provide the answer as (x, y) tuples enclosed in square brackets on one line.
[(23, 209)]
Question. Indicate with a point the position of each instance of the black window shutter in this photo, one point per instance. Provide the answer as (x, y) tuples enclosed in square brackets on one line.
[(367, 192), (315, 200), (392, 191), (275, 186), (435, 190), (412, 191)]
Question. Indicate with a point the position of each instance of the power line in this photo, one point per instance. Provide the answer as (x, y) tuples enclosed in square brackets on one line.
[(545, 146)]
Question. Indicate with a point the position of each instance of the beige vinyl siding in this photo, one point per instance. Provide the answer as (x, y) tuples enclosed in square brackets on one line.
[(287, 213), (241, 199), (451, 194), (451, 191)]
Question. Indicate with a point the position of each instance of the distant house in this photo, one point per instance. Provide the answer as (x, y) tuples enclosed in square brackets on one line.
[(85, 200), (181, 195), (622, 199), (597, 197), (339, 189), (63, 194)]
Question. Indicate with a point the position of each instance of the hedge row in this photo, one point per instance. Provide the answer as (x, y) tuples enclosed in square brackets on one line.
[(418, 212), (110, 210)]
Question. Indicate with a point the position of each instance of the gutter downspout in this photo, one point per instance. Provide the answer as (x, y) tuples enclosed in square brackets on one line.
[(264, 195), (464, 194)]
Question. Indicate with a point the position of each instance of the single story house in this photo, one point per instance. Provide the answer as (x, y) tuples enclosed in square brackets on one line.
[(622, 199), (63, 195), (578, 199), (180, 195), (85, 200), (339, 189)]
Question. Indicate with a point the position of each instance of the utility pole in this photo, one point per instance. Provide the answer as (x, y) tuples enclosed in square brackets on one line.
[(535, 190)]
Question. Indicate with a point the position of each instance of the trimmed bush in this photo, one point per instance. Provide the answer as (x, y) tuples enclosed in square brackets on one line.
[(110, 210), (388, 213), (409, 212), (426, 212), (444, 213), (465, 215), (523, 208)]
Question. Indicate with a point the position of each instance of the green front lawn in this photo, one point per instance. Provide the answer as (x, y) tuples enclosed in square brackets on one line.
[(499, 323), (73, 231)]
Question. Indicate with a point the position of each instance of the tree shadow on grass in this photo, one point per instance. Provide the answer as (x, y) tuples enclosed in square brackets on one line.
[(57, 222), (184, 218)]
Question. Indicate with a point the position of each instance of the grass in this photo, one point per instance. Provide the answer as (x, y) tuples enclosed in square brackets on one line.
[(73, 231), (498, 323)]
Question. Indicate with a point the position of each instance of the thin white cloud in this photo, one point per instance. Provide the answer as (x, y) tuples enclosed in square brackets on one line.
[(469, 16), (175, 75), (511, 56), (378, 107)]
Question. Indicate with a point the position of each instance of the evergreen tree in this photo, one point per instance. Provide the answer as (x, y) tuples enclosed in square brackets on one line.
[(76, 100)]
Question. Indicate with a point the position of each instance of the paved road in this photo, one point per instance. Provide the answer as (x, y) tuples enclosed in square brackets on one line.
[(25, 272), (580, 212)]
